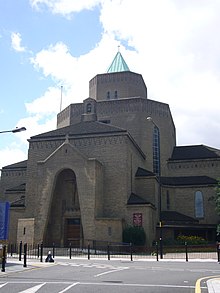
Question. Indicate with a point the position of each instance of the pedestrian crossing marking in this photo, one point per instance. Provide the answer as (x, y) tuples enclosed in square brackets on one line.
[(33, 289), (67, 288), (2, 285), (97, 266)]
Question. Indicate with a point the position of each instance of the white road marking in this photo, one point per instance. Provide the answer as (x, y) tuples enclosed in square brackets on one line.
[(109, 272), (33, 289), (2, 285), (70, 286), (94, 265), (138, 285)]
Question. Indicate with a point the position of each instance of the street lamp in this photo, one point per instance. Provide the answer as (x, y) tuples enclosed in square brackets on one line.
[(157, 170), (17, 129)]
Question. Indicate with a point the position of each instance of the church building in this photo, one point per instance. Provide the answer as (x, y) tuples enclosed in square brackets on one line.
[(112, 162)]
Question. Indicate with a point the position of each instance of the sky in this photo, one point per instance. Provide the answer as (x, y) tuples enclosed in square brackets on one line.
[(49, 44)]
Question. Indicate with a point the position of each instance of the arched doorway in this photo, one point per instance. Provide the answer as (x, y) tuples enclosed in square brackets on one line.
[(64, 219)]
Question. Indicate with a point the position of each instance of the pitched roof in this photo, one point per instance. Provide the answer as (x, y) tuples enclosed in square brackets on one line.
[(193, 152), (82, 128), (19, 165), (136, 199), (173, 216), (118, 64), (188, 180), (143, 173)]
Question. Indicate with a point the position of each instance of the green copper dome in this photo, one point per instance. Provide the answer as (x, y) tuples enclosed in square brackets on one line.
[(118, 64)]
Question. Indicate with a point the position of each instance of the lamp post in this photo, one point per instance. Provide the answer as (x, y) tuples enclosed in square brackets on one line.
[(157, 170), (17, 129)]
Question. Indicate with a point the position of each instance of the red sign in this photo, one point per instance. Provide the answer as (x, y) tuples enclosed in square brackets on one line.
[(137, 219)]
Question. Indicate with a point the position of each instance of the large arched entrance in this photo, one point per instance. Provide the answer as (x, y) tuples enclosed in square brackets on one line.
[(64, 219)]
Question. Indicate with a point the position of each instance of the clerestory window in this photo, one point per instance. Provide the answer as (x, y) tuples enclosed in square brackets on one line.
[(156, 151), (199, 205)]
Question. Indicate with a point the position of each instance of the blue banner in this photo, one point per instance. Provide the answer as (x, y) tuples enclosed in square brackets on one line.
[(4, 220)]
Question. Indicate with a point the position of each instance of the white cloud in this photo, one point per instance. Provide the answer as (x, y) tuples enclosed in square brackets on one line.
[(16, 42), (12, 154), (64, 7), (71, 72), (56, 61), (176, 51), (46, 105), (175, 47)]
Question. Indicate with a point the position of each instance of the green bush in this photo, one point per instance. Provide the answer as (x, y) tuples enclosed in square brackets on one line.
[(134, 235)]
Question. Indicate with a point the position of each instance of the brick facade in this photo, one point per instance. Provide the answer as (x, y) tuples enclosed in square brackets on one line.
[(90, 176)]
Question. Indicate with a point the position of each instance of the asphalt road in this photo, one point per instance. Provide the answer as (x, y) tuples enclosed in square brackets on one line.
[(81, 275)]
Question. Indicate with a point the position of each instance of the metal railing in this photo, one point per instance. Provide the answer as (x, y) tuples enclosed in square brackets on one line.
[(108, 250)]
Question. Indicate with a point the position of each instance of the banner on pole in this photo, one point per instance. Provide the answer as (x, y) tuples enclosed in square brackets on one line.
[(4, 220)]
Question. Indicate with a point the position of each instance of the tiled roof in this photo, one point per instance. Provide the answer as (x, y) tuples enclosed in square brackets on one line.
[(82, 128), (193, 152), (172, 216), (136, 199), (118, 64), (188, 180), (143, 173), (19, 165)]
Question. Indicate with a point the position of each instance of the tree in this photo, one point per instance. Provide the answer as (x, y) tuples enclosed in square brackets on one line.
[(217, 207), (134, 235)]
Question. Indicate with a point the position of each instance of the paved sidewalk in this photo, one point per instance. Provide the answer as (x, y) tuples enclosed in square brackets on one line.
[(213, 285), (14, 265)]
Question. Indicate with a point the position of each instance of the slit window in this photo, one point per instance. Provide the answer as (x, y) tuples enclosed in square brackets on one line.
[(199, 205)]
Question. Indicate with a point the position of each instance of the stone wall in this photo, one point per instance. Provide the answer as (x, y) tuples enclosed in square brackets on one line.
[(109, 229), (148, 220), (25, 231), (118, 85)]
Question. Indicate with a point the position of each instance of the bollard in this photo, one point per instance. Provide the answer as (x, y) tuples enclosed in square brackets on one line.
[(53, 250), (186, 249), (161, 248), (20, 250), (218, 251), (38, 250), (3, 258), (41, 252), (70, 250), (11, 248), (88, 251), (131, 251), (108, 251), (25, 255), (157, 251)]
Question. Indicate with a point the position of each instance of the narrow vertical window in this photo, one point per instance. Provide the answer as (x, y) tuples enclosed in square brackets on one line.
[(156, 151), (88, 108), (116, 94), (199, 205), (108, 95)]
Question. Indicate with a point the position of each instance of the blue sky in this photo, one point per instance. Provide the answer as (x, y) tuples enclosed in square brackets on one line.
[(44, 44)]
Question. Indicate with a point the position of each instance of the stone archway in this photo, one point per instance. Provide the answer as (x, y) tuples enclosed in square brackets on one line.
[(64, 218)]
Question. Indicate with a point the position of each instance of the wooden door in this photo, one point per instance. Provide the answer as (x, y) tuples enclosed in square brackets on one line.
[(73, 232)]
